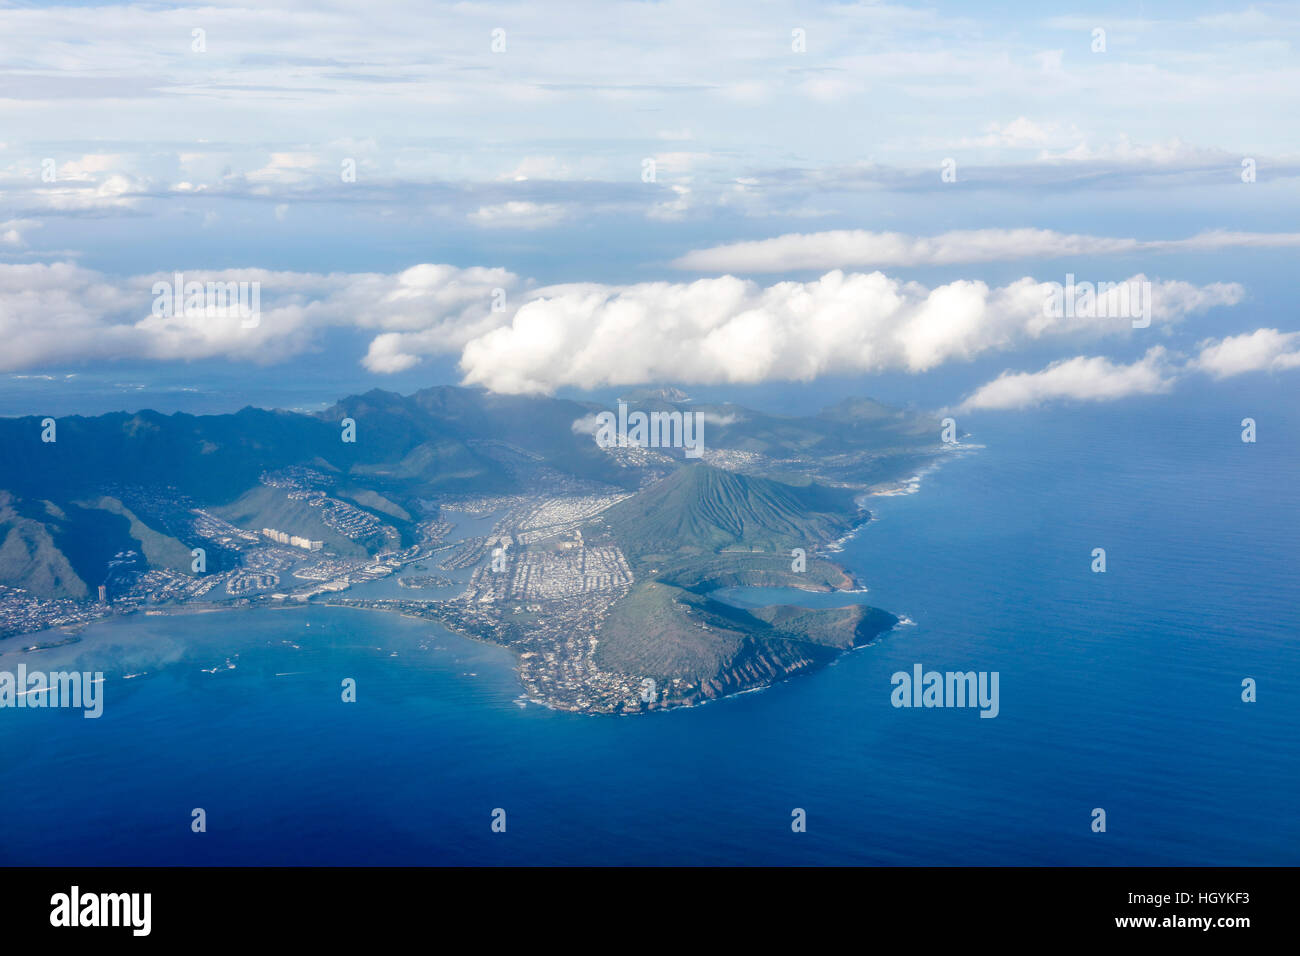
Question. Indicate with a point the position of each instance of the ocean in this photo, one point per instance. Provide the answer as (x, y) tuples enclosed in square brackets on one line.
[(1119, 690)]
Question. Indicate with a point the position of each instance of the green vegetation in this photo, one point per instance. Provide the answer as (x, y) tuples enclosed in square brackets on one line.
[(264, 507), (707, 573), (662, 631), (30, 559), (703, 510), (160, 550), (840, 627), (375, 502), (701, 529)]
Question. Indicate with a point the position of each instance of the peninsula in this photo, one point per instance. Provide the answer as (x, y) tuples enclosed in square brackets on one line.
[(596, 562)]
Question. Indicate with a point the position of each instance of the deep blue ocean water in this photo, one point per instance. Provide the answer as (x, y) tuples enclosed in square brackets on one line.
[(1119, 690)]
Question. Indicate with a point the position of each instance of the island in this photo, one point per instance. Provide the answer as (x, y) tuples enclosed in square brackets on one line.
[(597, 562)]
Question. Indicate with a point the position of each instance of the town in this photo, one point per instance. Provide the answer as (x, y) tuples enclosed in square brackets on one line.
[(527, 579)]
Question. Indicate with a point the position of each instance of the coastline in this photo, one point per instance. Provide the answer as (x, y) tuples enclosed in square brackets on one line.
[(740, 679)]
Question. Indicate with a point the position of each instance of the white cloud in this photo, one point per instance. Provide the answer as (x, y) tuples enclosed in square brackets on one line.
[(713, 418), (847, 248), (669, 73), (727, 330), (1098, 379), (89, 166), (718, 330), (286, 168), (517, 215), (11, 232), (1022, 133), (114, 191), (1169, 153), (1258, 351), (673, 209), (64, 313), (1082, 378)]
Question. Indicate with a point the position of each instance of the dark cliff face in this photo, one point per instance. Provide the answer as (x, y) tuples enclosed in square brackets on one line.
[(805, 638), (762, 666)]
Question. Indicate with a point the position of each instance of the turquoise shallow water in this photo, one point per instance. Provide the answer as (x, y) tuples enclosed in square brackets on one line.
[(1117, 690)]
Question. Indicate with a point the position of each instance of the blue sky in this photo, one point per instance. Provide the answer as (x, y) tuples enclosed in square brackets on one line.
[(509, 146)]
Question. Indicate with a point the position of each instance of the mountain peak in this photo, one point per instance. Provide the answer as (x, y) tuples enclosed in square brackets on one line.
[(699, 508)]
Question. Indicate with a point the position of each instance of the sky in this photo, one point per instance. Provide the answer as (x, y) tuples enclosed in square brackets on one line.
[(575, 198)]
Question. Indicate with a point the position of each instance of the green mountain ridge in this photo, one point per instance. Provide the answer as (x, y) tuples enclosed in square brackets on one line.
[(30, 559), (702, 509)]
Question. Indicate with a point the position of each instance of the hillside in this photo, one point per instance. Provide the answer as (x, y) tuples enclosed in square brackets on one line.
[(30, 559), (160, 549), (840, 627), (701, 528), (699, 509), (263, 507), (696, 648)]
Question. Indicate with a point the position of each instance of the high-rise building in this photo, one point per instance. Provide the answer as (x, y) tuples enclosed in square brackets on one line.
[(103, 594), (284, 537)]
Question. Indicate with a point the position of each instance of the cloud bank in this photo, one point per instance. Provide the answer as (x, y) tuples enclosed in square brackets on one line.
[(728, 330), (846, 248), (512, 337), (64, 313)]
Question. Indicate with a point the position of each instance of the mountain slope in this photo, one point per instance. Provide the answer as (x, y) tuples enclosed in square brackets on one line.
[(701, 509), (30, 558)]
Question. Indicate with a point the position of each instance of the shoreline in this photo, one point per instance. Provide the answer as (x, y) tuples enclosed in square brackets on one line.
[(849, 583), (699, 700)]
